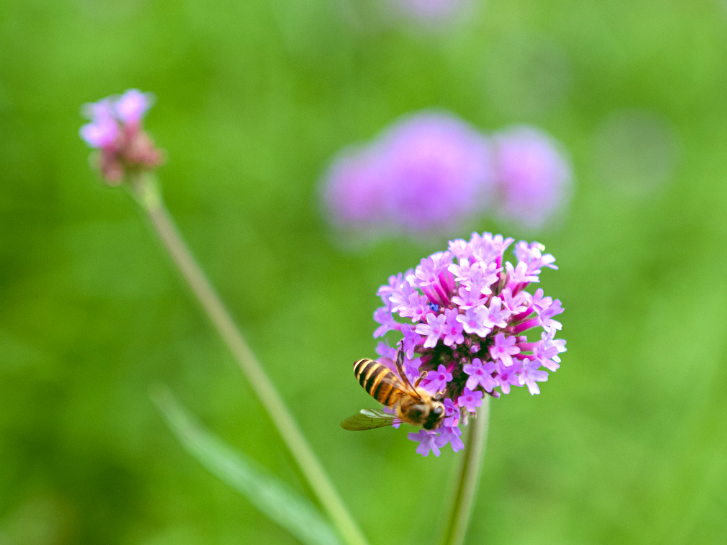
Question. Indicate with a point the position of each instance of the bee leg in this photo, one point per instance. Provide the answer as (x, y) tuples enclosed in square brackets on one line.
[(421, 377), (400, 356)]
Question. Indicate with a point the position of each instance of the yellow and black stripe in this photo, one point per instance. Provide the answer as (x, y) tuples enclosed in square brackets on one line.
[(379, 381)]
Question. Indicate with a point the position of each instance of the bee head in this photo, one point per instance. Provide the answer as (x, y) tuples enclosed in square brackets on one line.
[(436, 416)]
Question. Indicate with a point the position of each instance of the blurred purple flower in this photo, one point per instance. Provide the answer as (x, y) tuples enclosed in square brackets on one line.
[(533, 175), (355, 191), (450, 434), (115, 130), (470, 400), (132, 105), (438, 170), (102, 132), (427, 441), (429, 172)]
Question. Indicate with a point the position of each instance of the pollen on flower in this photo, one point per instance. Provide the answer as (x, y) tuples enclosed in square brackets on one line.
[(115, 131), (465, 315)]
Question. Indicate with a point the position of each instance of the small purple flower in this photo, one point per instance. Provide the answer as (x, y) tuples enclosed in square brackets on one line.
[(451, 435), (474, 321), (539, 302), (496, 315), (530, 374), (547, 341), (480, 374), (452, 328), (508, 376), (102, 132), (383, 316), (504, 349), (399, 296), (464, 349), (545, 354), (433, 329), (470, 400), (427, 442), (490, 248), (396, 282), (546, 316), (516, 304), (533, 173), (411, 340), (468, 299), (463, 271), (532, 255), (411, 368), (386, 351), (437, 380), (520, 274), (451, 412), (132, 105), (461, 249), (482, 278), (418, 306)]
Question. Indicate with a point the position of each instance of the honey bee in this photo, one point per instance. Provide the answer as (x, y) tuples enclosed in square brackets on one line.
[(411, 404)]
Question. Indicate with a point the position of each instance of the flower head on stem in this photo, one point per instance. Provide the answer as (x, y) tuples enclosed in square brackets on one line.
[(115, 130), (468, 315), (126, 154)]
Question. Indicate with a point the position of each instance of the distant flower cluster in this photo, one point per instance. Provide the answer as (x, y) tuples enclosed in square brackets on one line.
[(533, 176), (426, 173), (466, 318), (433, 173), (116, 131)]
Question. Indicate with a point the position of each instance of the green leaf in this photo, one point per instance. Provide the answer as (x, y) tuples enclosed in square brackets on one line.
[(271, 496)]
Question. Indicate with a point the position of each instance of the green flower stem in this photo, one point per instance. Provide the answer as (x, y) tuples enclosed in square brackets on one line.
[(469, 476), (146, 191)]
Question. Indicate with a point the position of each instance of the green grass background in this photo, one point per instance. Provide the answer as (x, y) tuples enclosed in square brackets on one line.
[(627, 443)]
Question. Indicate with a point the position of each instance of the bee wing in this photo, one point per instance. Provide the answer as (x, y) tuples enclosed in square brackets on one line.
[(367, 419)]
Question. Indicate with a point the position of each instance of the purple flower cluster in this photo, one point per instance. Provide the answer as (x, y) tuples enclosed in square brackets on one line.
[(115, 130), (467, 314), (533, 176), (432, 173), (426, 173)]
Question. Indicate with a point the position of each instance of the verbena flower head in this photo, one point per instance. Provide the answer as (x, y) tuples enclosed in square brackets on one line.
[(115, 130), (533, 174), (471, 327), (428, 172)]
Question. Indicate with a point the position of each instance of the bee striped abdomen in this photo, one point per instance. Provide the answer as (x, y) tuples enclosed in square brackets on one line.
[(378, 381)]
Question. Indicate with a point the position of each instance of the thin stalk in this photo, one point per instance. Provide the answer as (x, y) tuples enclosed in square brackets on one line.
[(146, 192), (469, 477)]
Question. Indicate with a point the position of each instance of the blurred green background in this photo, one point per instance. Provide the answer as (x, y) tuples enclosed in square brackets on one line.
[(626, 444)]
